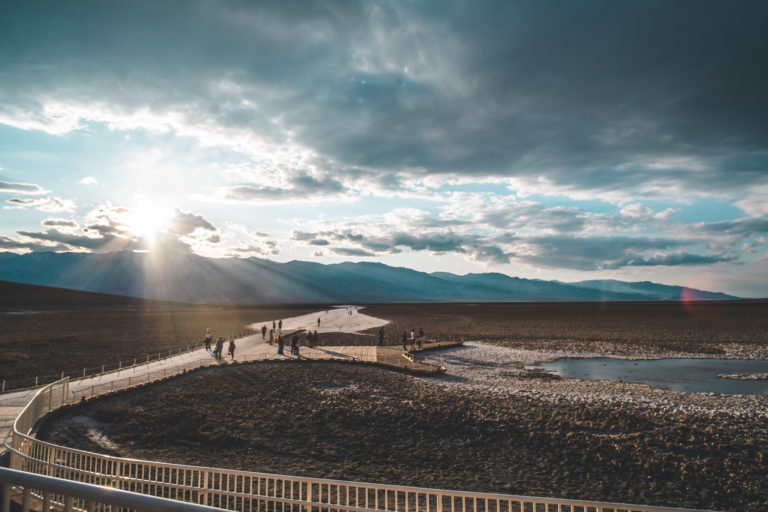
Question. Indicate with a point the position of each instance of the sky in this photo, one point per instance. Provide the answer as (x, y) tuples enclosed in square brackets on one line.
[(550, 140)]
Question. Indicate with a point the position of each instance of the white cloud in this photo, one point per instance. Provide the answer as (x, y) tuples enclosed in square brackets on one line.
[(87, 180)]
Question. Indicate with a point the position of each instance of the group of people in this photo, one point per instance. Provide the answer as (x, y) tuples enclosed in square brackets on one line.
[(312, 338), (219, 345), (415, 339), (294, 344)]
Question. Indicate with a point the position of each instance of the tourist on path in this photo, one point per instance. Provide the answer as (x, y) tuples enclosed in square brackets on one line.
[(263, 332), (318, 322), (232, 348), (381, 336), (280, 344), (405, 340), (273, 325), (280, 325), (208, 339), (271, 336), (413, 339), (219, 347), (295, 345), (315, 338)]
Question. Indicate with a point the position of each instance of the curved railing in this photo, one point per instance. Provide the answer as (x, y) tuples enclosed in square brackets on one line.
[(240, 490)]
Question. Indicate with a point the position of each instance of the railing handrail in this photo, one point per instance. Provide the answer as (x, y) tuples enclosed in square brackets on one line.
[(98, 493), (308, 480)]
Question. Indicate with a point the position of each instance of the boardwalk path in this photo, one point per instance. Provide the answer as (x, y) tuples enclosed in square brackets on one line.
[(248, 348)]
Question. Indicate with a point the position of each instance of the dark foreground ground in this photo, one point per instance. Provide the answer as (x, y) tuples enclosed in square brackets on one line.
[(350, 422)]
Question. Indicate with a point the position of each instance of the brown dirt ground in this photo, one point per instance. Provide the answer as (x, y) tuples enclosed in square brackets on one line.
[(352, 422), (45, 344), (654, 326)]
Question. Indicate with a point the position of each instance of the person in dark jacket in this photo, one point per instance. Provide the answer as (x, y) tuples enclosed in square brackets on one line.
[(219, 347), (231, 348), (280, 344)]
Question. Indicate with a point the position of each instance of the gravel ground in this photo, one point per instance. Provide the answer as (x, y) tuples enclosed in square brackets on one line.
[(488, 425)]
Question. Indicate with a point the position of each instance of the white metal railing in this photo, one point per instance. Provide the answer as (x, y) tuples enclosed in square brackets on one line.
[(263, 492), (71, 496)]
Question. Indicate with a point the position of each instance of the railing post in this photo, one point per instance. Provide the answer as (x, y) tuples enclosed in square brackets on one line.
[(83, 372), (26, 499), (6, 495)]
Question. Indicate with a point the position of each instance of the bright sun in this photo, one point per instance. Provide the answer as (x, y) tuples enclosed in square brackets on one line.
[(146, 220)]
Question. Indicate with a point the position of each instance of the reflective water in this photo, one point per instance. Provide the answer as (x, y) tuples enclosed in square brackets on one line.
[(689, 375)]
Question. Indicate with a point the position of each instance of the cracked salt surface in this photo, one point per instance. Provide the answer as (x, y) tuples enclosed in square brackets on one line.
[(494, 369)]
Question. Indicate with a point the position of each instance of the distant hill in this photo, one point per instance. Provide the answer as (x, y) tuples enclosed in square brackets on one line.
[(27, 297), (191, 278), (652, 290)]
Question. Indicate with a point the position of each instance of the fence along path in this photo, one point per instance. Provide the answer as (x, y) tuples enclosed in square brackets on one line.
[(240, 490)]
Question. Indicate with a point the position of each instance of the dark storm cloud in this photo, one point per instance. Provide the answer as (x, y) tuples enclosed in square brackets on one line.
[(21, 188), (104, 243), (300, 187), (350, 251), (736, 228), (674, 259), (597, 253), (648, 98), (184, 223), (63, 223), (394, 242), (44, 204), (534, 216), (9, 244)]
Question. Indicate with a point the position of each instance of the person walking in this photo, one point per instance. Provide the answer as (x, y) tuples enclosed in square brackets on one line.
[(381, 336), (413, 339), (219, 347), (271, 336), (318, 322), (263, 332), (280, 343), (208, 339), (405, 340), (231, 348), (315, 338), (280, 325)]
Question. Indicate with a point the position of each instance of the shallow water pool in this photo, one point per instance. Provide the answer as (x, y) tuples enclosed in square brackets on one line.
[(689, 375)]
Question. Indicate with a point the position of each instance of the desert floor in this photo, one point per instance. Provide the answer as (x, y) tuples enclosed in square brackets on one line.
[(489, 424)]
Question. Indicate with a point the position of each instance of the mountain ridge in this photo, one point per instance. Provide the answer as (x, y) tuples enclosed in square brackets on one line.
[(192, 278)]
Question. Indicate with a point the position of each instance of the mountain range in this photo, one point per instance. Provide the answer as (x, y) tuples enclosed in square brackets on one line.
[(192, 278)]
